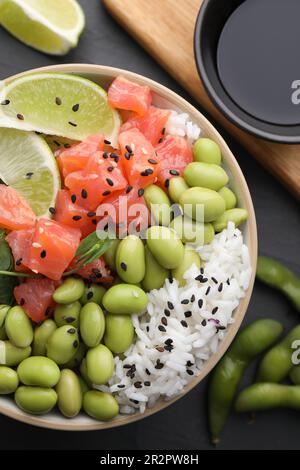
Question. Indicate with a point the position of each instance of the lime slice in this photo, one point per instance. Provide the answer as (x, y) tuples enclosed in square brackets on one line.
[(51, 26), (58, 104), (28, 165)]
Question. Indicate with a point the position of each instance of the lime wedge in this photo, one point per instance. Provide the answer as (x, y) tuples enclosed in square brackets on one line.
[(58, 104), (51, 26), (28, 165)]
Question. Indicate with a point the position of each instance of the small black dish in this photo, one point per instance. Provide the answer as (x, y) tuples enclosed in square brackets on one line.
[(248, 59)]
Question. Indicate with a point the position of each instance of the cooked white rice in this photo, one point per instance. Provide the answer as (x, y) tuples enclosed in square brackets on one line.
[(180, 124), (183, 326)]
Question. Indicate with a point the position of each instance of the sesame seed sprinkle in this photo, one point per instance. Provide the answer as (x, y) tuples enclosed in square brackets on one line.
[(5, 102), (184, 323), (73, 124), (43, 254), (200, 303), (174, 172), (58, 101), (162, 328), (109, 181), (29, 175), (170, 305), (167, 312), (107, 142), (188, 314), (91, 214), (76, 218), (185, 301), (73, 198), (52, 210), (84, 194), (214, 310), (75, 108), (20, 117), (141, 192), (152, 161), (19, 261), (128, 189), (106, 193), (123, 266)]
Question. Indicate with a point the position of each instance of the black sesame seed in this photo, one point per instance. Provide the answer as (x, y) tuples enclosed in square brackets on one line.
[(170, 280), (207, 290), (163, 131), (106, 193), (193, 298), (136, 402), (141, 192), (188, 314), (73, 124), (76, 217), (5, 102), (228, 282), (147, 329), (167, 312), (184, 323), (107, 142), (56, 143), (109, 181), (159, 365), (147, 372), (90, 295), (169, 347), (20, 117), (127, 366), (189, 364), (138, 384), (162, 328), (52, 210), (128, 148), (91, 214), (174, 172), (67, 146), (203, 323), (73, 198), (19, 261), (152, 161), (105, 155), (220, 288), (72, 331), (220, 327), (170, 305), (147, 383), (185, 301), (69, 319), (160, 140), (75, 108), (110, 169), (121, 386), (167, 183), (214, 280), (22, 301), (128, 189), (43, 254), (201, 270), (200, 303), (169, 341), (190, 372), (29, 175), (214, 310), (84, 194), (199, 278), (123, 266), (164, 321), (75, 344), (58, 101), (127, 156), (94, 221)]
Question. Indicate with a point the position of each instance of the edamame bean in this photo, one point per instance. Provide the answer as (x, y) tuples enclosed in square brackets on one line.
[(294, 375), (208, 151), (177, 186), (67, 314), (83, 372), (9, 380), (229, 198), (250, 342), (18, 327), (166, 246), (3, 312), (11, 355), (119, 333), (76, 360), (202, 204), (63, 344), (130, 259), (69, 396), (99, 405), (39, 371), (69, 291), (110, 254), (35, 400), (41, 335), (190, 258), (93, 293), (237, 216), (191, 231), (83, 385), (277, 363), (205, 175), (155, 274), (158, 204), (264, 396), (99, 364), (276, 275), (125, 299), (92, 324)]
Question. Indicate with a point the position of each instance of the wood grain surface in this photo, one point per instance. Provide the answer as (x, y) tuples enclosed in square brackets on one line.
[(165, 28)]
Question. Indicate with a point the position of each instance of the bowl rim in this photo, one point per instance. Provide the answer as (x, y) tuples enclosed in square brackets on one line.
[(236, 173), (220, 104)]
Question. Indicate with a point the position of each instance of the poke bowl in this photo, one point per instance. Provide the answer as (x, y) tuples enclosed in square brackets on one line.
[(188, 296)]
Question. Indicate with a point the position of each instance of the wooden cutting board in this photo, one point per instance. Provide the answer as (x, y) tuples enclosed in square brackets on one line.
[(165, 29)]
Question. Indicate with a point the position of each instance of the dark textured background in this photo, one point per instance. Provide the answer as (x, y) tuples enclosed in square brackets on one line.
[(183, 425)]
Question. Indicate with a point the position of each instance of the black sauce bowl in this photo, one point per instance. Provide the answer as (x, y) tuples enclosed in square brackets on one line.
[(211, 20)]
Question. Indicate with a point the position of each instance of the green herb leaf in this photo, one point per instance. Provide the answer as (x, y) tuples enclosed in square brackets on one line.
[(7, 283)]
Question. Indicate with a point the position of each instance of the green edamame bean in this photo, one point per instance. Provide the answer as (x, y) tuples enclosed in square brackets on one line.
[(119, 333), (77, 358), (202, 204), (110, 254), (277, 363), (93, 293), (99, 364), (158, 204), (67, 314), (41, 335), (69, 396), (63, 344), (125, 299), (18, 327), (35, 400), (177, 186), (3, 312), (39, 371), (83, 372), (11, 355), (229, 198), (92, 324), (100, 405), (155, 274), (237, 215), (191, 231), (130, 259), (205, 175), (83, 385), (276, 275), (294, 375), (208, 151), (190, 258), (264, 396), (166, 246), (250, 342), (69, 291), (9, 380)]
